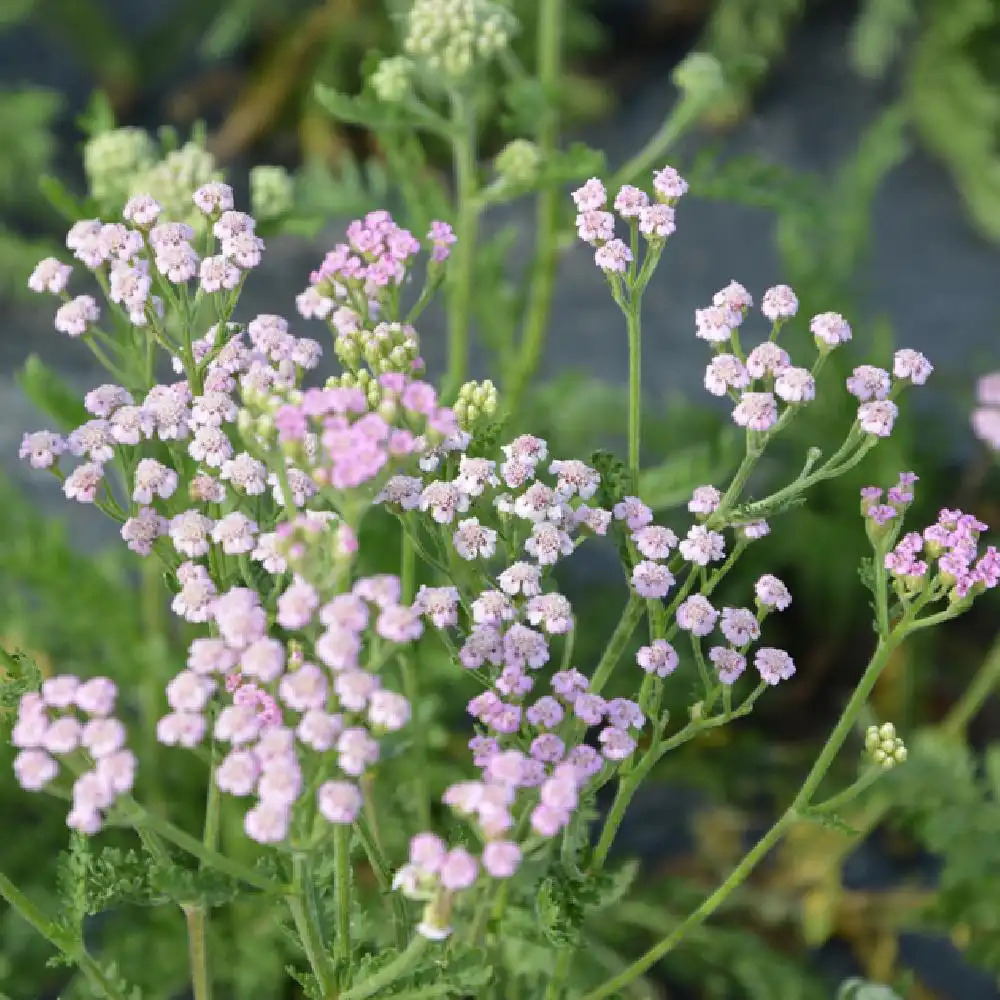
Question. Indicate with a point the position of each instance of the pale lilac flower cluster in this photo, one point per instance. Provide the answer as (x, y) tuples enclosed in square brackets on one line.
[(72, 720), (654, 219), (766, 375), (350, 285), (739, 626), (986, 415)]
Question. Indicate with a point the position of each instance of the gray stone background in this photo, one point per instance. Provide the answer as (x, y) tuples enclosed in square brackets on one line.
[(929, 272)]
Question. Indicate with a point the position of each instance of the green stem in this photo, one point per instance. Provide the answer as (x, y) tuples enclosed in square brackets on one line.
[(201, 978), (777, 831), (197, 849), (865, 781), (74, 950), (981, 687), (616, 644), (301, 903), (461, 270), (393, 971), (684, 115), (634, 324), (559, 974), (411, 688), (549, 52), (342, 875)]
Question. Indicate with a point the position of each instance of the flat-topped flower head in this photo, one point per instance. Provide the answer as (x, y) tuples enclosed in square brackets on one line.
[(911, 366), (779, 303), (591, 197), (714, 324), (773, 665), (658, 658), (757, 411), (877, 417), (724, 373), (868, 382), (613, 257), (669, 185), (829, 329), (630, 201), (697, 616)]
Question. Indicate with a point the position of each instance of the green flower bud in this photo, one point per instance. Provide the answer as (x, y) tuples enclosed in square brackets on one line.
[(883, 746), (476, 404), (700, 77), (517, 164), (271, 192), (393, 79), (111, 161)]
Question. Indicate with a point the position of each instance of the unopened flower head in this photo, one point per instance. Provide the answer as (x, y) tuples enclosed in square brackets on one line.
[(452, 37)]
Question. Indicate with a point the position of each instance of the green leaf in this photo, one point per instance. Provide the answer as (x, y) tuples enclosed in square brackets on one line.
[(368, 112), (578, 162), (671, 482), (51, 394), (56, 194), (830, 821), (99, 115)]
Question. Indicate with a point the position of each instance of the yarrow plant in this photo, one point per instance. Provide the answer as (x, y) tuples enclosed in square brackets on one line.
[(305, 688)]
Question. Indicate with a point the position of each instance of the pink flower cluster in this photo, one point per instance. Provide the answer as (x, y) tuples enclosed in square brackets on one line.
[(72, 720), (354, 445), (653, 219), (756, 382), (297, 699), (351, 283), (953, 544)]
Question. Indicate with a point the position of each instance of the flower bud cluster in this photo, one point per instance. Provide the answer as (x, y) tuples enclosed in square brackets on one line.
[(392, 79), (72, 721), (883, 746), (272, 192), (518, 163), (389, 347), (476, 405), (450, 38), (654, 219), (113, 160)]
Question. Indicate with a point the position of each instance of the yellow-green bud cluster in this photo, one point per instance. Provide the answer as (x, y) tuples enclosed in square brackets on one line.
[(175, 178), (452, 37), (361, 379), (271, 192), (699, 75), (392, 79), (390, 347), (883, 745), (111, 160), (517, 164), (476, 404)]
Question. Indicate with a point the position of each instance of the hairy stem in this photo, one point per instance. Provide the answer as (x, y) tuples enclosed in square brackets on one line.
[(301, 903), (393, 971), (52, 933), (342, 874)]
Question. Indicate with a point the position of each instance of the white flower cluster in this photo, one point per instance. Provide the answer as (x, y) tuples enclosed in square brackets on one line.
[(451, 36)]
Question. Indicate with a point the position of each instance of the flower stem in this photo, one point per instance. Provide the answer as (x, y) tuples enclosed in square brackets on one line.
[(411, 687), (616, 644), (140, 818), (301, 904), (549, 57), (201, 978), (461, 271), (342, 874), (741, 872), (26, 909), (634, 323), (388, 975)]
